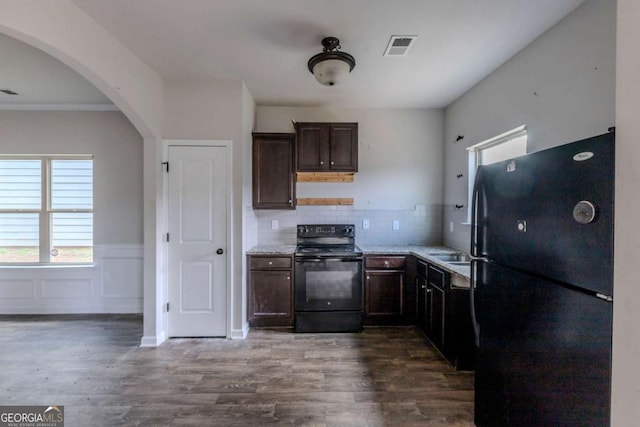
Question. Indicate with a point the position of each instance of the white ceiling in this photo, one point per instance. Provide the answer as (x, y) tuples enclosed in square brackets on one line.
[(267, 43)]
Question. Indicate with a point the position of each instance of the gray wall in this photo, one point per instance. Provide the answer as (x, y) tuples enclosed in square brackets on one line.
[(399, 175), (626, 304), (117, 148), (561, 86), (218, 109), (113, 284)]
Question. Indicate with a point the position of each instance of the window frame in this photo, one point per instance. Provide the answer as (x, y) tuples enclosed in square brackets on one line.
[(45, 213), (475, 153)]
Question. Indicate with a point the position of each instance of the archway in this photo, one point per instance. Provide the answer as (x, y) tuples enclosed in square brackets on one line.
[(63, 31)]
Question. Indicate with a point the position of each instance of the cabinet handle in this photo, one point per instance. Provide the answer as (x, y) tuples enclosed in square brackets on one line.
[(270, 262), (368, 277), (332, 163), (423, 287), (386, 263), (290, 200), (428, 291), (288, 278), (321, 162)]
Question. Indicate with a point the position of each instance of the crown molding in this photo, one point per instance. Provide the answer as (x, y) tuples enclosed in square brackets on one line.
[(58, 107)]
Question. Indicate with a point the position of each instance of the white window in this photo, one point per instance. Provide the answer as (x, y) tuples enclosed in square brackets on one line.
[(502, 147), (46, 209)]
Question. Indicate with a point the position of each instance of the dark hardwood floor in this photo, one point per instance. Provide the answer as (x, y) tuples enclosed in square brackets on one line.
[(93, 365)]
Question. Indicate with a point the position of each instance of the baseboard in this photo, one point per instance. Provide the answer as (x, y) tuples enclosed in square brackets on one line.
[(245, 330), (153, 341), (88, 308), (240, 334)]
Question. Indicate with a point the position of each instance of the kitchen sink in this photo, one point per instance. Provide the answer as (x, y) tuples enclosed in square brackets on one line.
[(454, 258)]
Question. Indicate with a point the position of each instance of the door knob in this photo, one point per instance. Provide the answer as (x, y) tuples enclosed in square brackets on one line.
[(220, 251)]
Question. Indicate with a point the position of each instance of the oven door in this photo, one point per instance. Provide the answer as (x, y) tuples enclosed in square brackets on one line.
[(328, 284)]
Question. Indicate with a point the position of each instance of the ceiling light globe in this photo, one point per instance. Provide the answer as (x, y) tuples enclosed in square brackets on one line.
[(331, 72), (330, 67)]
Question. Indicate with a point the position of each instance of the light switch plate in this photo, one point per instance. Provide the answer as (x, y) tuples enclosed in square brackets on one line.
[(274, 224), (365, 224), (396, 224)]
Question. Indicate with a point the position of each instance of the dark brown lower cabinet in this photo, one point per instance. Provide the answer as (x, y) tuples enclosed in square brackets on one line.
[(462, 339), (420, 278), (384, 290), (443, 314), (436, 281), (436, 319), (270, 291)]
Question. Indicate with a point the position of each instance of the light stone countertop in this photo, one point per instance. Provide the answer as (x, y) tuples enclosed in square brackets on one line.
[(405, 249), (422, 252), (272, 250)]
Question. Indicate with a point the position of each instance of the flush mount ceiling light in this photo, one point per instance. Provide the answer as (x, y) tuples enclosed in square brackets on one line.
[(331, 66)]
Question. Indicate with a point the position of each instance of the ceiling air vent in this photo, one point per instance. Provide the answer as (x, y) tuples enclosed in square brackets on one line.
[(8, 92), (399, 45)]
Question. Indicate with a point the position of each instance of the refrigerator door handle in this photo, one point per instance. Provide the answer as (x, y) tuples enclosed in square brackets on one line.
[(474, 214), (474, 320), (475, 254)]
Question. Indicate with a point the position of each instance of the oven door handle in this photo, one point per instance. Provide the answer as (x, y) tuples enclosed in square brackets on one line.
[(328, 259)]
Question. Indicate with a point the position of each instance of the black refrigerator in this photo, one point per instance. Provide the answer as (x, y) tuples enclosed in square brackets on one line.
[(542, 299)]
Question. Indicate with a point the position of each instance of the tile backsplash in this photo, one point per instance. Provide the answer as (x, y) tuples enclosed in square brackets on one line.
[(460, 237), (420, 226)]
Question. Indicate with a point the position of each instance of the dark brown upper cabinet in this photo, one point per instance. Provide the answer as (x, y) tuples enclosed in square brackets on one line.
[(324, 147), (273, 171)]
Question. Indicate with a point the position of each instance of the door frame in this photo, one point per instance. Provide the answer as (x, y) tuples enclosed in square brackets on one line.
[(227, 144)]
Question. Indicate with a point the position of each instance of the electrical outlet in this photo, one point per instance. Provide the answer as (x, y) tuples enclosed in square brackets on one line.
[(274, 224), (396, 224), (365, 224)]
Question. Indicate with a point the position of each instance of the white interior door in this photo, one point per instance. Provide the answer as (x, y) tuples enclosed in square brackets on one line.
[(197, 249)]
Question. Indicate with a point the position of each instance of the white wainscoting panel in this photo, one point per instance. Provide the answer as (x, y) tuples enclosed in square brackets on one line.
[(113, 284), (66, 288), (121, 270), (16, 288)]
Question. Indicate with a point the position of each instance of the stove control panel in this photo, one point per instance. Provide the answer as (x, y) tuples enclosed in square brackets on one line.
[(326, 230)]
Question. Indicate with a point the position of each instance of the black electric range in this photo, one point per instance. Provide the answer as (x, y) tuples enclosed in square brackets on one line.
[(328, 279)]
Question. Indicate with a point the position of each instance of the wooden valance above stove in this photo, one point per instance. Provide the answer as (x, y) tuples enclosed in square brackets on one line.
[(325, 201), (325, 176)]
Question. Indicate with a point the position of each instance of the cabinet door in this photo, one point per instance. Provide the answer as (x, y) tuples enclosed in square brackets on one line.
[(273, 171), (271, 298), (436, 318), (459, 337), (343, 147), (422, 311), (384, 297), (313, 147)]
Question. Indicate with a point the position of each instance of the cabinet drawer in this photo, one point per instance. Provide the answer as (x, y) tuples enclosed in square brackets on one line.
[(386, 262), (266, 263), (436, 277)]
